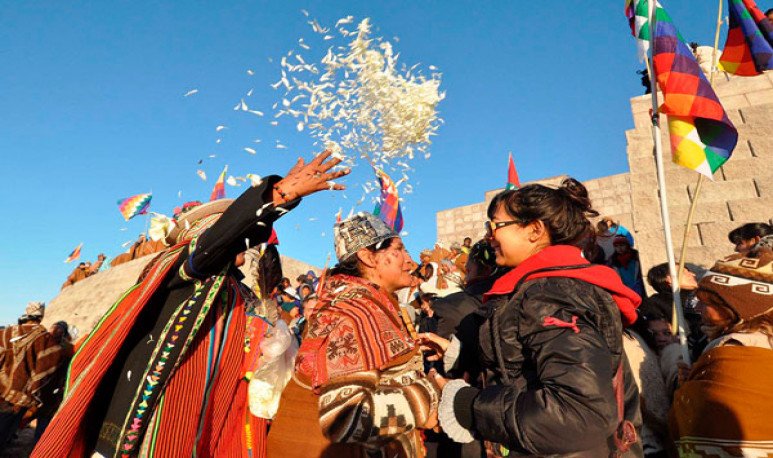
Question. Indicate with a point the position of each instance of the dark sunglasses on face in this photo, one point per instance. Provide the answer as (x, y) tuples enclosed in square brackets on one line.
[(491, 226)]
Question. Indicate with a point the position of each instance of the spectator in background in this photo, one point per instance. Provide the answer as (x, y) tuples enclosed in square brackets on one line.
[(661, 304), (304, 290), (748, 235), (606, 231), (659, 329), (84, 270), (723, 406), (311, 279), (29, 356), (290, 304), (769, 14), (467, 245), (625, 261)]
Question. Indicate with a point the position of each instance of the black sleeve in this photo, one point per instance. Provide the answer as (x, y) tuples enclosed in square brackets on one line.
[(573, 407), (248, 221)]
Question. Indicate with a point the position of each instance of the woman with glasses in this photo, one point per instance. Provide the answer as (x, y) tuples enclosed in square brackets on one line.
[(359, 354), (556, 380)]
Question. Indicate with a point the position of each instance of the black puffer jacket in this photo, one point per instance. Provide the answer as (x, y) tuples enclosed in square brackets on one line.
[(549, 355)]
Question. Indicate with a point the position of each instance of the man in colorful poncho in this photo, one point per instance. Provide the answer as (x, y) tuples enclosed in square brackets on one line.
[(161, 374)]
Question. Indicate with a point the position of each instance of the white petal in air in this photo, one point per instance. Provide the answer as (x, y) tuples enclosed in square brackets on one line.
[(202, 175), (191, 92), (250, 150), (219, 128)]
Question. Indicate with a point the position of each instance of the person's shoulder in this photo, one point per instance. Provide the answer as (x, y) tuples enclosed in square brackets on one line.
[(552, 293)]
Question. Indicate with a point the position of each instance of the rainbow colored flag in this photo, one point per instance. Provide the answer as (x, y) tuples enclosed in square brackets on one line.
[(749, 45), (388, 207), (218, 192), (76, 253), (134, 205), (512, 175), (702, 136)]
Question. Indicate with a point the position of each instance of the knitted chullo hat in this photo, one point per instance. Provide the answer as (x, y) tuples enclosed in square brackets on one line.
[(360, 231), (742, 283)]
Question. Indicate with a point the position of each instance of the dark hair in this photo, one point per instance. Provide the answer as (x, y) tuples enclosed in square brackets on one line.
[(656, 277), (768, 11), (564, 211), (749, 231), (352, 265), (24, 319)]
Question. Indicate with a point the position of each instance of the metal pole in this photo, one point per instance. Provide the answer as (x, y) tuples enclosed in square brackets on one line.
[(662, 190)]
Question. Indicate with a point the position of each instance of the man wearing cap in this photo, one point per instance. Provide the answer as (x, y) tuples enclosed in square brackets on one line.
[(161, 374), (30, 355), (723, 407)]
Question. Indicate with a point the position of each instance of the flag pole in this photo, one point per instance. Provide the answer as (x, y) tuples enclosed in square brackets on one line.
[(662, 188), (699, 185)]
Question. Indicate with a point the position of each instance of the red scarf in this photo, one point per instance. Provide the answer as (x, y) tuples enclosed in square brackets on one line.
[(564, 255)]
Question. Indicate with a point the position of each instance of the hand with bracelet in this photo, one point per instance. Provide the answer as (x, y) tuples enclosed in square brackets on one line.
[(307, 178)]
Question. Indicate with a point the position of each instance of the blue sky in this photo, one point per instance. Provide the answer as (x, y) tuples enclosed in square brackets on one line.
[(92, 109)]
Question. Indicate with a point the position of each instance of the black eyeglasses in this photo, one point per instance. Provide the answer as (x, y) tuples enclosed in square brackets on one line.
[(491, 226)]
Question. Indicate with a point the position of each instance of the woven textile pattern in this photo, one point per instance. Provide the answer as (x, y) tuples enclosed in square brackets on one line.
[(749, 46)]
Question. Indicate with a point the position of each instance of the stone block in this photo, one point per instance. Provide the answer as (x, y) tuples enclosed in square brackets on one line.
[(703, 256), (735, 101), (705, 212), (735, 116), (751, 210), (641, 103), (634, 136), (720, 191), (715, 234), (764, 187), (740, 169), (641, 164), (642, 120), (758, 115), (760, 147), (739, 86), (760, 97)]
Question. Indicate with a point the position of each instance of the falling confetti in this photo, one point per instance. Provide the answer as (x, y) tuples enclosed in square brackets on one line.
[(191, 92), (249, 150), (357, 101), (219, 128), (201, 174), (255, 180), (250, 72)]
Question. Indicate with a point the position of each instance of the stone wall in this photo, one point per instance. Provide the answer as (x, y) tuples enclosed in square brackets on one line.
[(611, 196), (82, 305), (741, 192)]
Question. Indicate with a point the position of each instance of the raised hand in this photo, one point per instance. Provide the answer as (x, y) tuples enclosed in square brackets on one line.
[(307, 178)]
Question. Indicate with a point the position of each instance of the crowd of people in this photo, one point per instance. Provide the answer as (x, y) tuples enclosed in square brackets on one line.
[(140, 248), (537, 340)]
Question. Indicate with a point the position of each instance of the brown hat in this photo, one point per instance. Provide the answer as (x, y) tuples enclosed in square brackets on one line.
[(743, 283), (195, 222)]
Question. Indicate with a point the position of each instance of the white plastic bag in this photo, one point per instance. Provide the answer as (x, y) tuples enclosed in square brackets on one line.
[(278, 350)]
